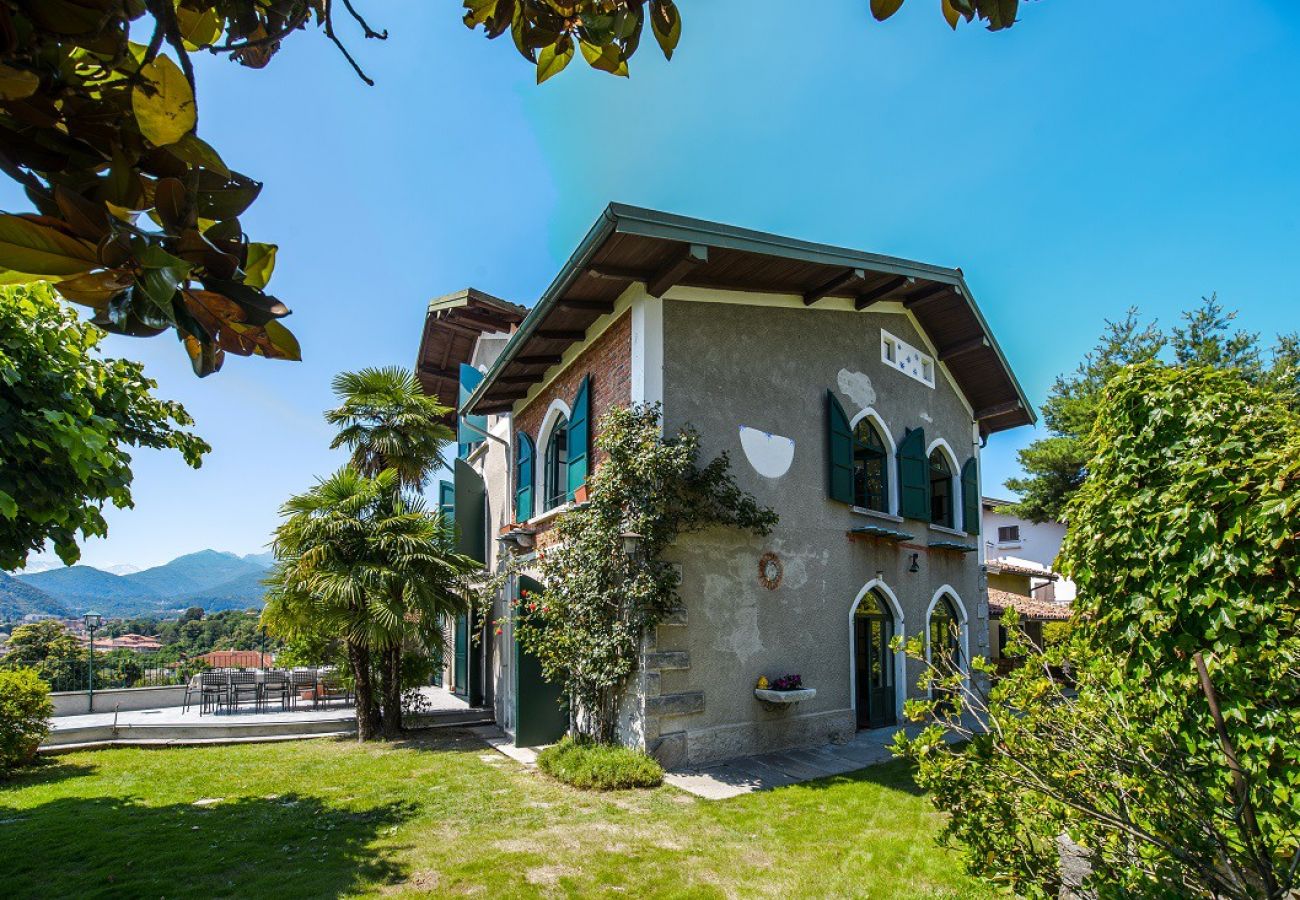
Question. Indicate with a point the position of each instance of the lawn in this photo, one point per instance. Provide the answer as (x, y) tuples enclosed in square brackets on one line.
[(446, 816)]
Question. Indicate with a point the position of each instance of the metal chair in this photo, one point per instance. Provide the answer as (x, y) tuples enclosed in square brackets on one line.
[(332, 687), (303, 680), (243, 684), (275, 686), (214, 691)]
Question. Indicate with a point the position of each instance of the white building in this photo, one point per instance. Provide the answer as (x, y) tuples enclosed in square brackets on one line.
[(1015, 546)]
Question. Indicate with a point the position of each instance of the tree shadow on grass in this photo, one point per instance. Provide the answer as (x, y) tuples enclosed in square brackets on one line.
[(282, 846), (450, 740), (44, 770)]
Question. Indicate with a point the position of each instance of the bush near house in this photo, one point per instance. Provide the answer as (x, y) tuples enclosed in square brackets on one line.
[(25, 710), (599, 767)]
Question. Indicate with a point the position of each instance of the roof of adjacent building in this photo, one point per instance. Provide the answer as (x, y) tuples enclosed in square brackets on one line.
[(237, 659), (629, 244), (1004, 566), (452, 325), (1028, 607)]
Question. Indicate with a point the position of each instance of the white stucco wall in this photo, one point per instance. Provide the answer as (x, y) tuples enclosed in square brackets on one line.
[(1040, 542)]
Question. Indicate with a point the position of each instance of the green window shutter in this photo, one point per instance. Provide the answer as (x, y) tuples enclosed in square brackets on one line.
[(970, 497), (469, 429), (839, 457), (580, 436), (471, 495), (524, 461), (447, 506), (913, 476)]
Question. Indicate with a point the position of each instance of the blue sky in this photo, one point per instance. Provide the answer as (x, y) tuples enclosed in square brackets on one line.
[(1094, 157)]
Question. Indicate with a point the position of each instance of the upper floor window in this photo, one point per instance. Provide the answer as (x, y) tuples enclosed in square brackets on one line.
[(940, 489), (870, 472), (555, 480), (899, 354), (1008, 534)]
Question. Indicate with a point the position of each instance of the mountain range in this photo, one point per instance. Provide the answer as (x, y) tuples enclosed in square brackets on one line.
[(212, 579)]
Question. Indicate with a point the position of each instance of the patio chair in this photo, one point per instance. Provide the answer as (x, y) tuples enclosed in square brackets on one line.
[(214, 691), (303, 680), (242, 685), (332, 687), (275, 687)]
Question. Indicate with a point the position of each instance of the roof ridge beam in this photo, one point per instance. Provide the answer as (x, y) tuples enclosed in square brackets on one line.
[(838, 283), (863, 300), (678, 267)]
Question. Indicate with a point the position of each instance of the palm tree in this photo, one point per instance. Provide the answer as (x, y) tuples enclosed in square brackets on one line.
[(389, 423), (356, 559)]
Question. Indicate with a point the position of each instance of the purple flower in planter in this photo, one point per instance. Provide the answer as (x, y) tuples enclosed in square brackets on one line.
[(787, 683)]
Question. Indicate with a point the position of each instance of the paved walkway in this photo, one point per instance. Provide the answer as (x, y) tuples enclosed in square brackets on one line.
[(770, 770)]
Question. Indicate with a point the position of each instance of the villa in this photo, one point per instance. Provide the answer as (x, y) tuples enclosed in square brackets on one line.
[(853, 393)]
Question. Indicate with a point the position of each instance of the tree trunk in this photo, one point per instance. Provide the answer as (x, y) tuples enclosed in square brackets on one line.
[(367, 713), (392, 687)]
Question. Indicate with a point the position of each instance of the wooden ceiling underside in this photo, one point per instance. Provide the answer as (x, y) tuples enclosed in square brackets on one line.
[(451, 329)]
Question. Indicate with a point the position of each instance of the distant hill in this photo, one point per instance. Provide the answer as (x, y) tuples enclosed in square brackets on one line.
[(212, 579), (193, 573), (18, 599)]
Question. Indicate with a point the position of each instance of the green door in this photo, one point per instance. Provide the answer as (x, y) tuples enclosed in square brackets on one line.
[(460, 669), (539, 716), (873, 629)]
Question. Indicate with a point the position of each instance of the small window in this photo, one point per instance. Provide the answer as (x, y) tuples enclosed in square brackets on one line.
[(901, 356), (940, 490), (927, 370), (870, 474), (555, 483), (1008, 534), (890, 349)]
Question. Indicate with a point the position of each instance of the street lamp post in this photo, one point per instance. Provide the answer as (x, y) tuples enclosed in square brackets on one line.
[(261, 661), (93, 620)]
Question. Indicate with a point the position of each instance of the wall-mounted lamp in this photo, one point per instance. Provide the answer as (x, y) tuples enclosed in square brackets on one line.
[(916, 566), (880, 574), (632, 544)]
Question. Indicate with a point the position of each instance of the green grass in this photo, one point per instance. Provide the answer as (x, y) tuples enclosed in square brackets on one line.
[(599, 768), (446, 817)]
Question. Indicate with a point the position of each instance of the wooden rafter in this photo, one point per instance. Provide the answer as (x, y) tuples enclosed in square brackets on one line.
[(876, 294), (926, 295), (678, 267), (538, 359), (997, 409), (841, 281), (961, 348)]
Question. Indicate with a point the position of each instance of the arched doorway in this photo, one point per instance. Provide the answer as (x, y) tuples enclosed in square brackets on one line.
[(873, 630)]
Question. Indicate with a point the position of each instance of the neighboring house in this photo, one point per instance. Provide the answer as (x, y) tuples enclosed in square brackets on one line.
[(1019, 545), (238, 659), (852, 392), (137, 643)]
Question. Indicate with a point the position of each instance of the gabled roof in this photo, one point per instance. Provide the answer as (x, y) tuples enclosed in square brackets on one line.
[(1028, 607), (451, 327), (628, 244)]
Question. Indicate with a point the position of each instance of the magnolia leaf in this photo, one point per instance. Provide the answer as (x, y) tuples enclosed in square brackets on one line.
[(553, 58), (883, 9), (951, 14), (205, 356), (666, 23), (197, 152), (260, 265), (95, 289), (15, 84), (164, 102), (87, 218), (198, 28), (222, 197), (8, 508), (27, 246), (607, 58), (284, 341), (478, 11)]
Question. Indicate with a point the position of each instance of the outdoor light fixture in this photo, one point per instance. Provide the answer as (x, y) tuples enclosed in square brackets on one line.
[(92, 621), (916, 566), (632, 544), (518, 540), (880, 574)]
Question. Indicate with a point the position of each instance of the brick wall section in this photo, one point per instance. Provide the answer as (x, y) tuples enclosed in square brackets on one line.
[(608, 360)]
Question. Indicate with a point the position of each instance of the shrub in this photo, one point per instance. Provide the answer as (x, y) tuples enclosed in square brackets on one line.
[(25, 709), (599, 767)]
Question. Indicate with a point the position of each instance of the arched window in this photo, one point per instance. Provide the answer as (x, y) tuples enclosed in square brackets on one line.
[(555, 478), (940, 489), (870, 474), (873, 629), (945, 637)]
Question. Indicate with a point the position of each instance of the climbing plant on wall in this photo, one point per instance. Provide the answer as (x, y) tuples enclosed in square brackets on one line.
[(586, 626)]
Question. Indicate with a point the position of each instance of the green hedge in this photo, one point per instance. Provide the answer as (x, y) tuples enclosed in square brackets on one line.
[(599, 767), (25, 710)]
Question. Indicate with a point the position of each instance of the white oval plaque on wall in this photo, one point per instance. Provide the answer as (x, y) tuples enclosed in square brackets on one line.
[(769, 454)]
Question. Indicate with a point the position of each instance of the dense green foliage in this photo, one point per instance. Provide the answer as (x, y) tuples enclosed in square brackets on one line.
[(49, 650), (441, 815), (548, 33), (599, 767), (356, 560), (1183, 542), (25, 711), (67, 419), (1056, 466), (586, 625)]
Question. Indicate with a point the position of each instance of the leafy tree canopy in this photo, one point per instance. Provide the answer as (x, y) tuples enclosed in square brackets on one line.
[(67, 419), (1056, 465)]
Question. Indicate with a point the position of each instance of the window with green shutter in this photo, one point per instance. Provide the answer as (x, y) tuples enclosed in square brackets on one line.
[(580, 437), (970, 497), (839, 446), (913, 476), (447, 506), (524, 462)]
